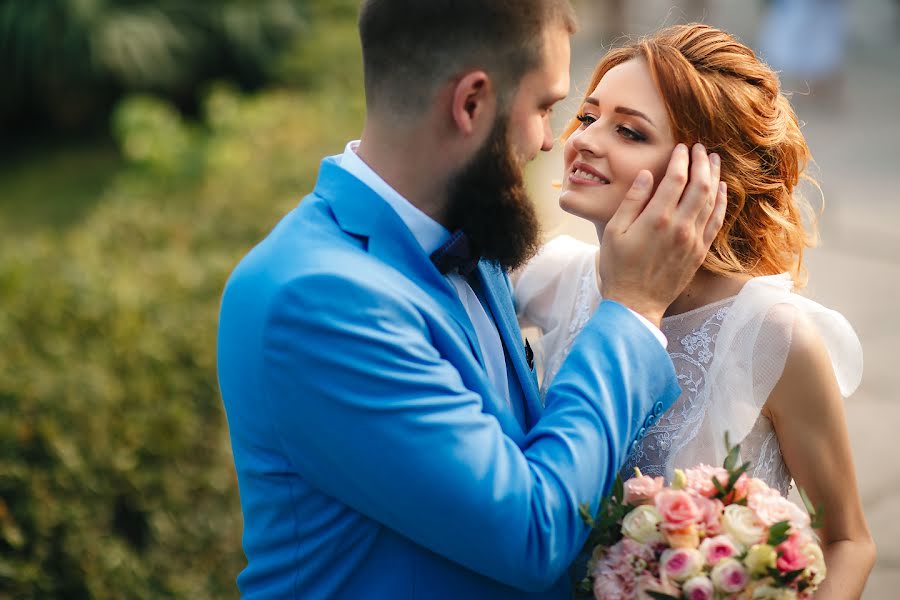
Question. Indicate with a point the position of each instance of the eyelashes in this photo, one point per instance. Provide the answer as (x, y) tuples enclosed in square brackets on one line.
[(626, 132)]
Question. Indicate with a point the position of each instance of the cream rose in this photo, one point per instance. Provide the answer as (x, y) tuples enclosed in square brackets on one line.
[(760, 558), (741, 524), (642, 525), (765, 592), (816, 570)]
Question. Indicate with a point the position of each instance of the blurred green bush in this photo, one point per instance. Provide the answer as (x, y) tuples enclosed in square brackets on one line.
[(65, 61), (116, 477)]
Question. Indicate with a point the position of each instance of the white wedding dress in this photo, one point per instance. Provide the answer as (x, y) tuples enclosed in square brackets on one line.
[(728, 356)]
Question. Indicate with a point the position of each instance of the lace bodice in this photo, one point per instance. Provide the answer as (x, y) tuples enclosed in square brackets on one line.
[(728, 356), (692, 346)]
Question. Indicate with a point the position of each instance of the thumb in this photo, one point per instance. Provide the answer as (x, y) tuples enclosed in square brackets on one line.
[(634, 202)]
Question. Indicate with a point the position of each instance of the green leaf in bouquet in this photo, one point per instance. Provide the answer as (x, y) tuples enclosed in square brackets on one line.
[(719, 487), (790, 576), (585, 588), (734, 453), (584, 510), (815, 514), (661, 596), (778, 533), (736, 474), (619, 489)]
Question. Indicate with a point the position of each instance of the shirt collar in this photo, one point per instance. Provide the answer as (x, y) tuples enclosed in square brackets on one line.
[(430, 234)]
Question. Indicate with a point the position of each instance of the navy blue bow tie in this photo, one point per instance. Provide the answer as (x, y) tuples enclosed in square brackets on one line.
[(456, 253)]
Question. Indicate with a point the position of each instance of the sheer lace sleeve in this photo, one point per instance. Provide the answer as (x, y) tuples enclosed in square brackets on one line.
[(557, 292), (543, 289), (751, 351)]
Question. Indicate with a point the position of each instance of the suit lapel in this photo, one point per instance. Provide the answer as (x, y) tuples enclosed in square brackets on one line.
[(496, 291), (361, 212)]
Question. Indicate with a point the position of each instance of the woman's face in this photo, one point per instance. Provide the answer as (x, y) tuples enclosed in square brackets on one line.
[(624, 129)]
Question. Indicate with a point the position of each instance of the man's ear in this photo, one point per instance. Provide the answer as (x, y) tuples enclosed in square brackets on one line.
[(473, 101)]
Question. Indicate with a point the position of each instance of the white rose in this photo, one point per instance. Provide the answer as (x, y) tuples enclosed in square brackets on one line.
[(740, 523), (765, 592), (729, 576), (816, 570), (642, 525), (680, 564)]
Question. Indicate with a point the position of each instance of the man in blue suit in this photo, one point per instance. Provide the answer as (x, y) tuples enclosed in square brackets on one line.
[(387, 430)]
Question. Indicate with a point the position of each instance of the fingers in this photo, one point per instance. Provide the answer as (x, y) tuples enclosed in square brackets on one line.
[(673, 182), (635, 200), (699, 190), (718, 215), (715, 165)]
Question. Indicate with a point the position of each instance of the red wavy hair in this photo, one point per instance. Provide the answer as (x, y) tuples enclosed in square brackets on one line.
[(717, 92)]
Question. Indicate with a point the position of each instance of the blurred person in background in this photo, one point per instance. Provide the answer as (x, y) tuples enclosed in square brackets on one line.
[(805, 41), (753, 358)]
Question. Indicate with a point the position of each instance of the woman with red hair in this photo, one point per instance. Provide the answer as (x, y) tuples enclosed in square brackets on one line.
[(754, 358)]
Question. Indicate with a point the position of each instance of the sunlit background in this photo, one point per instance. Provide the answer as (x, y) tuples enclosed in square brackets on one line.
[(145, 146)]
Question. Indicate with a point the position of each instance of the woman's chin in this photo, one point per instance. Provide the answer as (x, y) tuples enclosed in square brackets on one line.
[(571, 205)]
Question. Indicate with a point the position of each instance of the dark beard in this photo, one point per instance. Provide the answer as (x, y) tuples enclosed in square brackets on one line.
[(489, 203)]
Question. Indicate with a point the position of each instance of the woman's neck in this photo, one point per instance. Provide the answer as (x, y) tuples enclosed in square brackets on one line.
[(705, 288)]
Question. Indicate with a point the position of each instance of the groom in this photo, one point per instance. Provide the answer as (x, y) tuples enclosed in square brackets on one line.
[(387, 430)]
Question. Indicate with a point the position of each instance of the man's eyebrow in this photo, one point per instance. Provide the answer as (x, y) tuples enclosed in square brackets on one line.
[(622, 110)]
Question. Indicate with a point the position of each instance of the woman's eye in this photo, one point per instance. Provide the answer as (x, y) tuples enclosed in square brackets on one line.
[(586, 119), (631, 134)]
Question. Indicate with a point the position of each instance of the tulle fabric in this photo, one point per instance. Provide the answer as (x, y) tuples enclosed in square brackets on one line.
[(728, 356)]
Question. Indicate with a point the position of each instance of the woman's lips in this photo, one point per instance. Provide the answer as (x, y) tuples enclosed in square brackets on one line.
[(586, 175)]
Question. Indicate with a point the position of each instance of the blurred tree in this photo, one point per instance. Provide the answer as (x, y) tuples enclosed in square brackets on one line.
[(67, 61)]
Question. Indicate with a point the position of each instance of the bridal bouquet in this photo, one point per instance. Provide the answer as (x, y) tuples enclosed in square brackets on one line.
[(714, 533)]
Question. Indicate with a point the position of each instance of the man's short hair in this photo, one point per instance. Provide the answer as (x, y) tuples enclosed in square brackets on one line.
[(411, 47)]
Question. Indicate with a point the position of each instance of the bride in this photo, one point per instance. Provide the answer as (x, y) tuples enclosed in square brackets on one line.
[(753, 357)]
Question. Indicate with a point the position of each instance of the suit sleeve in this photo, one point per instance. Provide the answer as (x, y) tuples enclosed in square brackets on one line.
[(370, 413)]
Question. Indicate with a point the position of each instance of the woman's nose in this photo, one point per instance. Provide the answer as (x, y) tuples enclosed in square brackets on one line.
[(589, 141)]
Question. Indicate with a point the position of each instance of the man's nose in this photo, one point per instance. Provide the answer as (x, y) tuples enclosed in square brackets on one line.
[(547, 146)]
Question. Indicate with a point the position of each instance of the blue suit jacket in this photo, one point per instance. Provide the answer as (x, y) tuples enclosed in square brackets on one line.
[(374, 458)]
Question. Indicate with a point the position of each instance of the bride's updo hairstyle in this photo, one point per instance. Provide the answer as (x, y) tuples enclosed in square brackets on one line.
[(717, 92)]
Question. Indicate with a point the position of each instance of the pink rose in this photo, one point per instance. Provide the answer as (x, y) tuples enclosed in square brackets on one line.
[(716, 548), (680, 564), (772, 508), (699, 588), (790, 555), (710, 515), (677, 509), (642, 490), (700, 480), (730, 576)]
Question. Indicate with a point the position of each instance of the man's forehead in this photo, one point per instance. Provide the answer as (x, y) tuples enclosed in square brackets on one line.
[(551, 77)]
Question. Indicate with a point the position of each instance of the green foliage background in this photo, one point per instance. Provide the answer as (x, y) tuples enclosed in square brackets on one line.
[(116, 477)]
